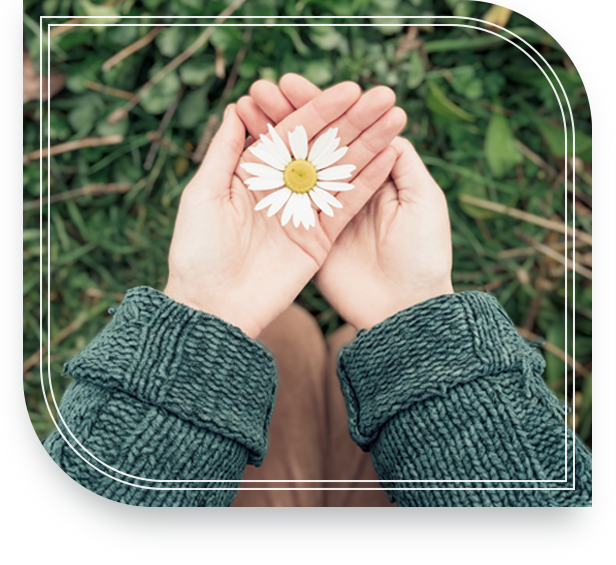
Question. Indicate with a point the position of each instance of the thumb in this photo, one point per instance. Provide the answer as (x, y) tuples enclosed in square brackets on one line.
[(223, 155), (411, 177)]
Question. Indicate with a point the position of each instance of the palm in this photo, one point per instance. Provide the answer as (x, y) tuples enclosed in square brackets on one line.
[(397, 250), (243, 266), (390, 254)]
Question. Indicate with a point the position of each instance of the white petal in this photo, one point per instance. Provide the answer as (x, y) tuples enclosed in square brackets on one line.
[(307, 212), (272, 159), (260, 183), (321, 203), (336, 173), (336, 186), (271, 148), (312, 215), (298, 212), (280, 202), (326, 152), (263, 170), (321, 143), (279, 144), (289, 209), (298, 140), (327, 160), (331, 200), (275, 201)]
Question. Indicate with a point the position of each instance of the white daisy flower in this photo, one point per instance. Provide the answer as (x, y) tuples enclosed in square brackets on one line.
[(301, 177)]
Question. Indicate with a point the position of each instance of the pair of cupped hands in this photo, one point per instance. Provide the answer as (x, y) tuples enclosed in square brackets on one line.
[(387, 249)]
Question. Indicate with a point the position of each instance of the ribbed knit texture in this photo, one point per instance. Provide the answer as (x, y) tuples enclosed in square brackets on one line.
[(448, 390), (166, 392)]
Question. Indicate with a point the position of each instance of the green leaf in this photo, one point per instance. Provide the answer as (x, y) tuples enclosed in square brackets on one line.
[(169, 40), (319, 72), (121, 35), (162, 95), (478, 191), (441, 105), (248, 69), (103, 127), (267, 73), (106, 15), (192, 108), (85, 112), (388, 26), (555, 367), (225, 38), (417, 72), (554, 137), (78, 73), (500, 150), (59, 129), (197, 71), (325, 37), (152, 4)]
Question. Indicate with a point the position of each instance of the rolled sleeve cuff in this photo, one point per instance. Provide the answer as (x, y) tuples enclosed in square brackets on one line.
[(190, 363), (420, 353)]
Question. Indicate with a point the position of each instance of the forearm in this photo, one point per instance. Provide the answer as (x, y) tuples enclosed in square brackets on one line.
[(168, 394), (447, 391)]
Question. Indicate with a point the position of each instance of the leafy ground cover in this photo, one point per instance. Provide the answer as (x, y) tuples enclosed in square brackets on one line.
[(482, 114)]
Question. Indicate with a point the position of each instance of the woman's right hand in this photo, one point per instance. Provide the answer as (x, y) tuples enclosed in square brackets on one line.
[(236, 263), (396, 252)]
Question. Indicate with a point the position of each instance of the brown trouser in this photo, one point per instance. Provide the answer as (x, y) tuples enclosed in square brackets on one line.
[(308, 435)]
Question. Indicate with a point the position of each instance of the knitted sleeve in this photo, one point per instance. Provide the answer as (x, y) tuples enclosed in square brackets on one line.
[(449, 400), (167, 407)]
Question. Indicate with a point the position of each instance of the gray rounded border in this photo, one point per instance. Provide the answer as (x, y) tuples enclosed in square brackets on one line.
[(295, 531)]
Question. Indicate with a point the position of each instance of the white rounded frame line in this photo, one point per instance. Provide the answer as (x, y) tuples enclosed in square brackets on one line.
[(304, 481)]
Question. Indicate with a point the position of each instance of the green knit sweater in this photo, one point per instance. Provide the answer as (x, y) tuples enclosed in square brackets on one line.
[(166, 400)]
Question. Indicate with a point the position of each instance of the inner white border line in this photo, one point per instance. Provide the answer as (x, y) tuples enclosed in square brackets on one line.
[(320, 481)]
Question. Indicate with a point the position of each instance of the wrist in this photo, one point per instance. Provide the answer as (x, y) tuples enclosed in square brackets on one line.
[(372, 317), (236, 317)]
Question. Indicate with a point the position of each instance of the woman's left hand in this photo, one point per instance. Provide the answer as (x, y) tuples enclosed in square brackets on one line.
[(236, 263)]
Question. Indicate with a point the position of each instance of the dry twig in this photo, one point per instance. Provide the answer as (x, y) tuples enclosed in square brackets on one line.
[(61, 336), (526, 217), (66, 26), (557, 351), (74, 146), (130, 49), (162, 128), (92, 189), (122, 113), (168, 144), (408, 42), (214, 119), (551, 172), (548, 251), (108, 90)]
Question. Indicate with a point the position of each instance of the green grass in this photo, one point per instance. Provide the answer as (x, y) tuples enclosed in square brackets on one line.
[(471, 98)]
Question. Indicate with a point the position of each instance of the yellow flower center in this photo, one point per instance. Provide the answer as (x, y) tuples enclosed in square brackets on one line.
[(300, 176)]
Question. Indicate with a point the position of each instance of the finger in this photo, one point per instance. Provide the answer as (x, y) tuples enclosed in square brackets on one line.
[(271, 100), (223, 155), (370, 107), (370, 143), (297, 90), (410, 175), (253, 117), (320, 112), (364, 113), (366, 184)]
